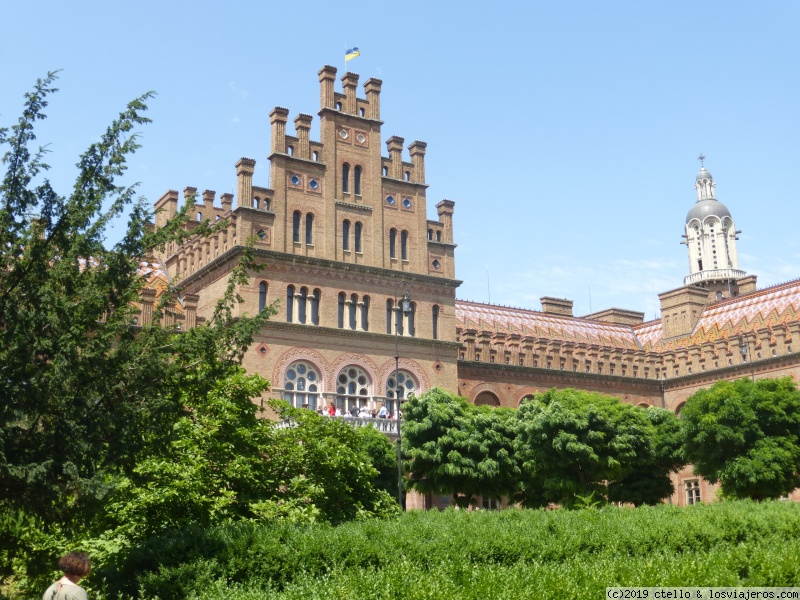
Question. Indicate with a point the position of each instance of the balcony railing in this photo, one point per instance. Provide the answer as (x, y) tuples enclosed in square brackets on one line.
[(713, 275), (387, 426)]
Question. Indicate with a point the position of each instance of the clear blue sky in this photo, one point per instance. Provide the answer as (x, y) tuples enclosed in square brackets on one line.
[(566, 132)]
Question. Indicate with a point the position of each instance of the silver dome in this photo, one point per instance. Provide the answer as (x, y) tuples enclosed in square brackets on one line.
[(703, 174), (708, 207)]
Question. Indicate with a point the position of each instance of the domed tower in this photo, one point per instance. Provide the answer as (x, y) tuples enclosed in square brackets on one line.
[(711, 241)]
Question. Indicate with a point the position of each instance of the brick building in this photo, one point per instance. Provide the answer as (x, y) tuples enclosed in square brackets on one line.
[(343, 234)]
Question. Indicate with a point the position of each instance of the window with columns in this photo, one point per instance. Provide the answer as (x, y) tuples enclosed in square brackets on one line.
[(353, 313), (403, 323), (302, 306)]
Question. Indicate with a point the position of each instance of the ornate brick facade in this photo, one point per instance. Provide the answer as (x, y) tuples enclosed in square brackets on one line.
[(342, 234)]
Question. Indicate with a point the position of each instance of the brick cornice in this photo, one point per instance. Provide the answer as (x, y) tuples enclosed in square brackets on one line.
[(232, 253), (361, 335)]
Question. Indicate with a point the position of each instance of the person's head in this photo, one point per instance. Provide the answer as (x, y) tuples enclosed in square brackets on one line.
[(75, 564)]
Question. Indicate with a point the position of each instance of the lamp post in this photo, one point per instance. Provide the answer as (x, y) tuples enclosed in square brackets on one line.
[(744, 348), (399, 312)]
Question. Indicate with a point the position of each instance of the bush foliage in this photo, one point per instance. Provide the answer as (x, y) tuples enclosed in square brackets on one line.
[(463, 554)]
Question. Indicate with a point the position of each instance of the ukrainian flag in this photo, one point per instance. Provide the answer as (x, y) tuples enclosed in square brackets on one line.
[(352, 53)]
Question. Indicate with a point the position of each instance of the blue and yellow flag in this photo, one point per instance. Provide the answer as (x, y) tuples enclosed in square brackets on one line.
[(352, 53)]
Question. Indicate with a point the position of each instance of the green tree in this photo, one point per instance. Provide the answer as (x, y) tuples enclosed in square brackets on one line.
[(746, 436), (647, 480), (571, 444), (83, 391), (328, 464), (452, 447)]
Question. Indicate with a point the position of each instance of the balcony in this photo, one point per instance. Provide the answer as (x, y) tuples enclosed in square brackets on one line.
[(713, 275), (386, 426)]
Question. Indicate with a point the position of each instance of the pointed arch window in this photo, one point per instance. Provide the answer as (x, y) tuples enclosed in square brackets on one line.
[(357, 180), (346, 235), (392, 242), (404, 245), (309, 229), (345, 178), (357, 235), (296, 226), (262, 295)]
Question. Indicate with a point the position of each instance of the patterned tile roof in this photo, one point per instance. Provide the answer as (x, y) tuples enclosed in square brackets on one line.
[(779, 304), (489, 317)]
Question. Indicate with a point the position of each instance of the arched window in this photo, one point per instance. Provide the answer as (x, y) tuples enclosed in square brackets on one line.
[(346, 235), (338, 106), (357, 234), (353, 389), (407, 175), (412, 330), (398, 320), (262, 295), (389, 313), (309, 229), (315, 307), (352, 312), (301, 384), (365, 313), (345, 178), (357, 180), (385, 171), (438, 236), (296, 226), (199, 216), (315, 156), (404, 245), (401, 384), (340, 312), (430, 234), (302, 303), (487, 399), (392, 242), (289, 303), (435, 321), (267, 204), (256, 202), (361, 111), (290, 150)]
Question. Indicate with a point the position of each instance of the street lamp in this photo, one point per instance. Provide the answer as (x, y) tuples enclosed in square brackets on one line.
[(744, 348), (405, 309)]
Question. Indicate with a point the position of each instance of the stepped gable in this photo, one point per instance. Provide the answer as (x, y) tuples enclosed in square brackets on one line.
[(494, 318), (776, 305)]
